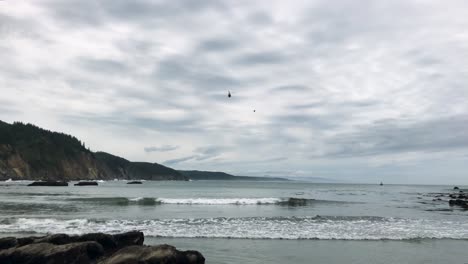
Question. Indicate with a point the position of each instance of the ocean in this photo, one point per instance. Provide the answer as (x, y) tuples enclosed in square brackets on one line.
[(253, 222)]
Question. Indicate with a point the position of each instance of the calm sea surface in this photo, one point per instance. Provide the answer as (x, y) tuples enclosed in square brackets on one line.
[(253, 222)]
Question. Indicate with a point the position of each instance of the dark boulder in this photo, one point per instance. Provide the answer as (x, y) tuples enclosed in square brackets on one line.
[(107, 241), (129, 238), (154, 255), (48, 183), (8, 242), (134, 182), (456, 188), (56, 239), (46, 253), (91, 248), (26, 240), (86, 183), (459, 202)]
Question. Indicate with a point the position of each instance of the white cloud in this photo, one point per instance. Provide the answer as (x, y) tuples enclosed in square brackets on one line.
[(333, 84)]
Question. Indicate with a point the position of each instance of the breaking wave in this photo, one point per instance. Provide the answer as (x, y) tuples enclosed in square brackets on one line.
[(200, 201), (319, 227)]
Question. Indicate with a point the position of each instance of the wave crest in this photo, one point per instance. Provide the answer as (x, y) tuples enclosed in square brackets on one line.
[(325, 227), (198, 201)]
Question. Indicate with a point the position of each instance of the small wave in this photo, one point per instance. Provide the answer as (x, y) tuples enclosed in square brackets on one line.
[(295, 228), (16, 181), (201, 201), (220, 201), (144, 201), (121, 201)]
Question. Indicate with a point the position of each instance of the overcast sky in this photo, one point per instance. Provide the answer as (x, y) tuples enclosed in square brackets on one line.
[(360, 91)]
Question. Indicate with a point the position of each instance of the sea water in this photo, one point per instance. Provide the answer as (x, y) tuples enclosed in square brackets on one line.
[(253, 222)]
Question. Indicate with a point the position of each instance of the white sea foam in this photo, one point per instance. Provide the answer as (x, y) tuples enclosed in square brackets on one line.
[(344, 228), (136, 199), (219, 201), (17, 181)]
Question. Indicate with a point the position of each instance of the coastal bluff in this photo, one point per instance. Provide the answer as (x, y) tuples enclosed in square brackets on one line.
[(28, 152), (94, 248)]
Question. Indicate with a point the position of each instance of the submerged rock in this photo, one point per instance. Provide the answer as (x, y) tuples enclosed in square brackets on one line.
[(48, 183), (86, 183), (456, 188), (459, 202), (134, 182), (92, 248)]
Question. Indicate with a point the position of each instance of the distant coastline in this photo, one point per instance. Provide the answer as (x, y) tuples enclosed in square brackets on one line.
[(217, 175), (28, 152)]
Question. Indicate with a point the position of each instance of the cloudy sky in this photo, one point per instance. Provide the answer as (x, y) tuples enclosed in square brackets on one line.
[(359, 91)]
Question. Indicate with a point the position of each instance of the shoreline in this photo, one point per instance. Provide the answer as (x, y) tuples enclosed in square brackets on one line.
[(256, 251), (227, 251)]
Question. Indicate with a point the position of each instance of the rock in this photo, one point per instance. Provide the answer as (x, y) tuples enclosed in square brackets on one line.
[(107, 241), (459, 202), (56, 239), (48, 183), (46, 253), (91, 248), (86, 183), (129, 238), (8, 242), (154, 255), (456, 188), (134, 182)]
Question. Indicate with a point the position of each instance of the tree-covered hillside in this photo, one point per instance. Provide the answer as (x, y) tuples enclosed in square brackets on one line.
[(33, 153)]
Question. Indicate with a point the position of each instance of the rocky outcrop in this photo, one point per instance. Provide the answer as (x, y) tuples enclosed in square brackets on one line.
[(134, 182), (154, 254), (86, 183), (459, 198), (49, 183), (459, 202), (97, 248)]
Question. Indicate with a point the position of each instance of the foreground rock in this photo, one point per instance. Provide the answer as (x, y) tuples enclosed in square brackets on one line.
[(155, 254), (48, 183), (97, 248), (86, 183)]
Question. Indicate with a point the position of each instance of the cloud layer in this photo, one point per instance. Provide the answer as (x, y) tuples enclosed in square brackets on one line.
[(357, 91)]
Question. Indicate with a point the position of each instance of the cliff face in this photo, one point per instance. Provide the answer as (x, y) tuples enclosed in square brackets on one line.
[(28, 152)]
